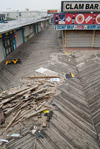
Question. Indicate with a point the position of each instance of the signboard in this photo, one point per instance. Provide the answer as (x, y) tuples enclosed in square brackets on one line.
[(76, 18), (51, 11), (80, 6), (77, 27)]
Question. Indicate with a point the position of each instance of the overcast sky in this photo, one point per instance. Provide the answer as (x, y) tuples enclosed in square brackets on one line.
[(6, 5)]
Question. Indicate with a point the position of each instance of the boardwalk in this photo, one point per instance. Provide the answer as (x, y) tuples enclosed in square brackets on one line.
[(76, 121)]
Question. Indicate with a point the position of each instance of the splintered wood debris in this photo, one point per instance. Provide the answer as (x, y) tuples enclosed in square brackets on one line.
[(21, 103)]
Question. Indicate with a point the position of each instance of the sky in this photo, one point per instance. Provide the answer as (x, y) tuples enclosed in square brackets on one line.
[(10, 5)]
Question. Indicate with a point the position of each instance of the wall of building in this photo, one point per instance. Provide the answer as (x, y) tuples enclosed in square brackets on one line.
[(25, 14), (46, 23), (39, 27), (42, 25), (19, 38), (17, 15), (29, 31)]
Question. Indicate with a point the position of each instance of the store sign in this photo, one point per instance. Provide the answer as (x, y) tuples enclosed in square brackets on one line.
[(77, 27), (51, 11), (69, 6), (76, 18)]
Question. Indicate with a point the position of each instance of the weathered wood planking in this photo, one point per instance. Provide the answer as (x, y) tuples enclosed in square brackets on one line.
[(75, 123)]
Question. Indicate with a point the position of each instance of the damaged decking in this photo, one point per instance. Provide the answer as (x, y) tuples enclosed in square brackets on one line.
[(76, 121)]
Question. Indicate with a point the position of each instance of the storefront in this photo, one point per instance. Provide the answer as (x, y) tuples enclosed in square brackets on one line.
[(80, 23), (29, 31), (19, 38), (8, 42)]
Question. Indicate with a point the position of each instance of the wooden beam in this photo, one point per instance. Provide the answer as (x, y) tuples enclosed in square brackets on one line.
[(12, 120), (93, 38), (41, 77), (64, 35)]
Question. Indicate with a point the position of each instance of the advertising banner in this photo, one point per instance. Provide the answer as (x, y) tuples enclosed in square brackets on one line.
[(77, 18), (51, 11)]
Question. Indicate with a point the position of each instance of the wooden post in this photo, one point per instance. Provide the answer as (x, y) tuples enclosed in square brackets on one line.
[(93, 38), (64, 35)]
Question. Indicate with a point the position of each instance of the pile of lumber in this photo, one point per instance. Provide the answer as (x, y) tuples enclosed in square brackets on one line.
[(21, 103)]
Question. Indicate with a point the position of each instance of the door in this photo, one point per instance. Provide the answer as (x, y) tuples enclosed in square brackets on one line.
[(97, 39), (8, 44), (79, 38), (19, 38)]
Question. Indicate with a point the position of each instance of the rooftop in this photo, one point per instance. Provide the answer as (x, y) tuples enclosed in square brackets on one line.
[(11, 25)]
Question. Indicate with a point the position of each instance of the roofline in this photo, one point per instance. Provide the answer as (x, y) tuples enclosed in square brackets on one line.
[(21, 11), (25, 24)]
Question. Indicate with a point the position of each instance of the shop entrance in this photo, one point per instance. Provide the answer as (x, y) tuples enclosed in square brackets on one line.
[(8, 44)]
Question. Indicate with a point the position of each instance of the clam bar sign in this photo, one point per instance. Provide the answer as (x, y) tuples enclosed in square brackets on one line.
[(83, 6)]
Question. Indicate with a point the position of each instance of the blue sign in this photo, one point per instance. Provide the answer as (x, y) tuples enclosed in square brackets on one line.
[(77, 27)]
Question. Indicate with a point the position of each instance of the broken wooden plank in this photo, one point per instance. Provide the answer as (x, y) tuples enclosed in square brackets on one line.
[(13, 109), (12, 120), (25, 101), (39, 91), (41, 77), (25, 104), (18, 95), (22, 115), (8, 100), (2, 117), (40, 105), (43, 95), (9, 93)]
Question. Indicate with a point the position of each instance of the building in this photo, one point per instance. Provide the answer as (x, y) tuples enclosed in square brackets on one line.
[(24, 14), (15, 33), (79, 23)]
